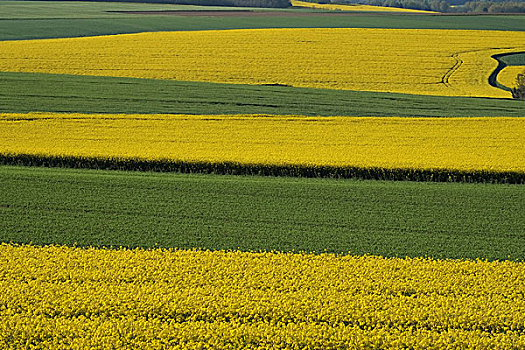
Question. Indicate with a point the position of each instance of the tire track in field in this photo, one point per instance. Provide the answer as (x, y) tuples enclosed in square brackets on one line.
[(458, 62), (492, 80), (446, 77)]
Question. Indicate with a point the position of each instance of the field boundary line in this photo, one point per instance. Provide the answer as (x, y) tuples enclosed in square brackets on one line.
[(232, 168)]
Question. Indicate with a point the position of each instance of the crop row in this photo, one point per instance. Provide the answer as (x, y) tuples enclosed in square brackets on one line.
[(430, 62), (62, 297), (231, 168), (437, 149)]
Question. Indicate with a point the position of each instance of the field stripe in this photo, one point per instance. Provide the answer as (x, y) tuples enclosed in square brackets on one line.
[(235, 168), (14, 29), (383, 60), (66, 297), (32, 92), (470, 145), (251, 213)]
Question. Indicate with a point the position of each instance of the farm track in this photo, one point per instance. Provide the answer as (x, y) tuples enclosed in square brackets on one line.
[(446, 77)]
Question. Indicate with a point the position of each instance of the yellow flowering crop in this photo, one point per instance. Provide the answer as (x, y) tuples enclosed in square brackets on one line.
[(508, 75), (367, 8), (414, 61), (61, 298), (496, 144)]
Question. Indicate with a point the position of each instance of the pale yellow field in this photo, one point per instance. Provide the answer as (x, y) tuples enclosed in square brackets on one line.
[(431, 62), (496, 144), (63, 298), (367, 8), (508, 75)]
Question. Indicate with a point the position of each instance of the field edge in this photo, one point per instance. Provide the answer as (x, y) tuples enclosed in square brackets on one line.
[(275, 170)]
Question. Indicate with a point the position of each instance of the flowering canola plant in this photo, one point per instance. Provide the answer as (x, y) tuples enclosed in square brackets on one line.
[(414, 61), (356, 7), (508, 75), (468, 144), (66, 297)]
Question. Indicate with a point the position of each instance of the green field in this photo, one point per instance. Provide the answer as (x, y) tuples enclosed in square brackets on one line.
[(517, 59), (111, 208), (57, 28), (83, 9), (33, 20), (27, 92)]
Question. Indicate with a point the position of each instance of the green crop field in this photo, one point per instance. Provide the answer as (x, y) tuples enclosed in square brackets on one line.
[(27, 92), (31, 10), (33, 20), (113, 208), (57, 28), (514, 59)]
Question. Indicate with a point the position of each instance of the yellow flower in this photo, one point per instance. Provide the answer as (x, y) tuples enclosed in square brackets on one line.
[(61, 297), (414, 61), (466, 144)]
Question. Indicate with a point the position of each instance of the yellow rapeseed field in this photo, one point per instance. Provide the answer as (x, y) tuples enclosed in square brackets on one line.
[(414, 61), (58, 297), (508, 75), (364, 8), (496, 144)]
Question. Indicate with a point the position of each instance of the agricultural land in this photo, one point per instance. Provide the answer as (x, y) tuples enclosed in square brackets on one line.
[(311, 176)]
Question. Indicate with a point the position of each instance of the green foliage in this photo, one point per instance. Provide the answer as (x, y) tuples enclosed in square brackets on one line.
[(426, 5), (103, 208), (493, 7), (26, 92), (519, 91)]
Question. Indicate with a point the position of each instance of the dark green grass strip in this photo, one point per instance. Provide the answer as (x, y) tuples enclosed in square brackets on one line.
[(230, 168), (12, 29), (102, 208), (28, 92)]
